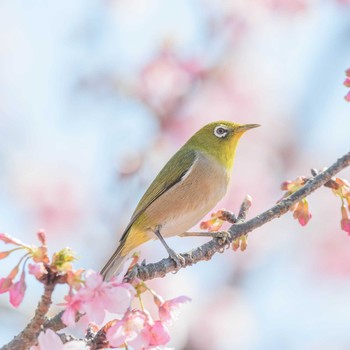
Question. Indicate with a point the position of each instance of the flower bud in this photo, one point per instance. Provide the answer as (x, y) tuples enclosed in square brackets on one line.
[(345, 222), (347, 82)]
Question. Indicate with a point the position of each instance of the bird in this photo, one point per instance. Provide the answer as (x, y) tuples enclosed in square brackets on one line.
[(190, 184)]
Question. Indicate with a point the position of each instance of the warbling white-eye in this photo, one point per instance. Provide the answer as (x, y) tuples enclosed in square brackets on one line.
[(192, 182)]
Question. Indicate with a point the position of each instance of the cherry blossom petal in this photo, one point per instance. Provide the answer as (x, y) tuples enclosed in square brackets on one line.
[(345, 221), (94, 311), (4, 255), (93, 279), (347, 97), (302, 212), (73, 306), (169, 310), (74, 278), (117, 334), (17, 291), (159, 334), (68, 317), (38, 270), (139, 341), (129, 329), (5, 284), (76, 345), (13, 272), (8, 239), (42, 237), (118, 299), (49, 340)]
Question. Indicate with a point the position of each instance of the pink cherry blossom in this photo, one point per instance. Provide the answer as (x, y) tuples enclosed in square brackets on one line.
[(166, 79), (96, 297), (75, 279), (347, 82), (99, 296), (215, 222), (5, 284), (138, 330), (169, 310), (347, 97), (8, 239), (345, 226), (302, 212), (37, 269), (17, 291), (49, 340), (130, 330), (42, 236), (158, 334), (345, 221), (73, 306), (4, 255)]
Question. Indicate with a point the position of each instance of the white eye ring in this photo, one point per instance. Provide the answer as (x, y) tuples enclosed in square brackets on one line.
[(220, 131)]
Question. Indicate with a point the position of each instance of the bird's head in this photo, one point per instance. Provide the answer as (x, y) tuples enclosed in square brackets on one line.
[(219, 139)]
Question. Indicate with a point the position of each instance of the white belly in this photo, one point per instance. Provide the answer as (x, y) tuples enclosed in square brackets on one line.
[(180, 224), (187, 202)]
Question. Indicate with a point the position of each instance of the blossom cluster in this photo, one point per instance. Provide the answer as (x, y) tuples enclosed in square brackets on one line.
[(216, 221), (132, 327), (139, 330), (166, 80), (340, 188), (38, 254), (91, 297), (300, 209)]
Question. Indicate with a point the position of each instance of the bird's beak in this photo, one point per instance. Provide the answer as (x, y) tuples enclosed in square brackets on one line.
[(243, 128)]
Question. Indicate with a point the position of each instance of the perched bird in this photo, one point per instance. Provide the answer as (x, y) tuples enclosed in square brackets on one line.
[(186, 189)]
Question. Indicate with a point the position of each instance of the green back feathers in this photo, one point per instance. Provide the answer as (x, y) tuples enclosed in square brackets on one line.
[(209, 141), (171, 174)]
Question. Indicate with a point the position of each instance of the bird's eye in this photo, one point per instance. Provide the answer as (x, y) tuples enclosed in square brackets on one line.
[(220, 131)]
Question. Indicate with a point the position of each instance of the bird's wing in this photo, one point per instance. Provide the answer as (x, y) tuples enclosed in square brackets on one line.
[(172, 173)]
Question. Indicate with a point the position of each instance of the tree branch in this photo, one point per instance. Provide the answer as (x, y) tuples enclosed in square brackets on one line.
[(207, 250), (27, 337)]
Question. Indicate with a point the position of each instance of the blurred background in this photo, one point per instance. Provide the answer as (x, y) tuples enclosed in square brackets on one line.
[(95, 96)]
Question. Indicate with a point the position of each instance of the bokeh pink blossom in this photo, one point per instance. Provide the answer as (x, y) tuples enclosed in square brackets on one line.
[(95, 97)]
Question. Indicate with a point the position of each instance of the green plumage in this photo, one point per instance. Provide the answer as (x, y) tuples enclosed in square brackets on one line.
[(189, 185)]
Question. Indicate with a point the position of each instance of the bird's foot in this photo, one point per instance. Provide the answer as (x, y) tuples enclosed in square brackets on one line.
[(222, 237), (136, 270), (178, 259), (132, 273)]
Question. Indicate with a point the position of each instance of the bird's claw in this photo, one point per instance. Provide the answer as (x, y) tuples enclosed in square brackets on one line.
[(132, 273), (178, 259), (222, 237)]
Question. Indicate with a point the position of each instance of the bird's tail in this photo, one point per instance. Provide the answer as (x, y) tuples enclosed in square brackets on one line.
[(114, 264)]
